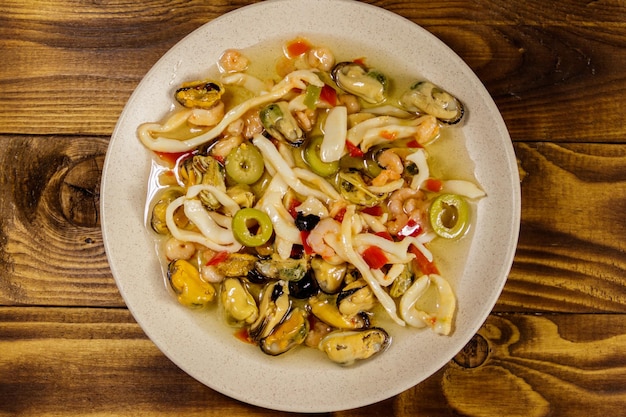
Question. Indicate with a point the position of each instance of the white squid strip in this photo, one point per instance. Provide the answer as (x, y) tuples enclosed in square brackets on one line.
[(246, 81), (387, 279), (335, 127), (464, 188), (273, 159), (374, 223), (441, 319), (297, 104), (385, 134), (388, 110), (408, 300), (296, 79), (355, 259), (272, 205), (195, 211), (225, 200), (398, 249), (423, 171), (146, 130), (189, 236), (355, 134), (319, 182), (283, 247)]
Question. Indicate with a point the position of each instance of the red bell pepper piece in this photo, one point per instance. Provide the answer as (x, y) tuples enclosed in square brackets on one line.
[(374, 257)]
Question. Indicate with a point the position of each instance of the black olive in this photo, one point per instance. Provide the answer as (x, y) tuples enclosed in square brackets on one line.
[(256, 277), (306, 221), (303, 288)]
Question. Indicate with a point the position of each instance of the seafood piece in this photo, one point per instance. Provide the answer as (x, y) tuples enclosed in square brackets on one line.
[(354, 189), (402, 282), (237, 303), (274, 306), (157, 220), (236, 265), (190, 289), (289, 269), (355, 298), (304, 288), (366, 83), (324, 307), (419, 310), (202, 94), (290, 333), (347, 347), (426, 97), (206, 170), (280, 123), (329, 277)]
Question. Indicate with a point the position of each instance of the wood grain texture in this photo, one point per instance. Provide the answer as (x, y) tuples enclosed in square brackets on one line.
[(100, 361), (85, 61)]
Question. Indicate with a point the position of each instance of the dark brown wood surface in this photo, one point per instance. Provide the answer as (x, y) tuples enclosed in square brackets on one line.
[(555, 344)]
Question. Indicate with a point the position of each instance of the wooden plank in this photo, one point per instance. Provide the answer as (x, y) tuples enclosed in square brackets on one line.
[(85, 61), (570, 255), (100, 362)]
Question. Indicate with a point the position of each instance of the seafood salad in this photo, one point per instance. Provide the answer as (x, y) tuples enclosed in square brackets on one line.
[(301, 204)]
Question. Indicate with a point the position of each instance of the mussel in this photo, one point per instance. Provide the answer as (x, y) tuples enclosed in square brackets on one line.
[(288, 334), (329, 277), (289, 269), (324, 307), (157, 219), (236, 265), (426, 97), (200, 94), (203, 169), (190, 289), (347, 347), (355, 298), (280, 123), (355, 78), (274, 306), (238, 305)]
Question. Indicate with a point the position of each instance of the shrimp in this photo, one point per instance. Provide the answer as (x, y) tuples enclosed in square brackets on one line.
[(223, 146), (321, 58), (324, 239), (178, 249), (233, 61), (351, 102), (393, 165), (207, 117), (405, 207), (427, 129)]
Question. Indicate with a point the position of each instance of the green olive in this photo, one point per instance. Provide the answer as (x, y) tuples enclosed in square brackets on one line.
[(449, 215), (311, 155), (248, 219), (244, 164)]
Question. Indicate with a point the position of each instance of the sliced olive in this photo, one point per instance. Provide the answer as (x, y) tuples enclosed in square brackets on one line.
[(244, 164), (311, 155), (248, 219), (449, 215)]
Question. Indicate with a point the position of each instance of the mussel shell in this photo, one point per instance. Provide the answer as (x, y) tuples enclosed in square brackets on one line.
[(201, 94), (191, 290), (329, 277), (324, 307), (274, 306), (157, 219), (289, 269), (347, 347), (288, 334), (280, 123), (355, 298), (366, 83), (426, 97)]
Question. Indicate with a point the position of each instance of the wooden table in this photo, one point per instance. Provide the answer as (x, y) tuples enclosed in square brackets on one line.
[(555, 343)]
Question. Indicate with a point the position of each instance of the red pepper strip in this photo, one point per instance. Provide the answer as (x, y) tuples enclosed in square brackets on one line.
[(373, 211), (297, 47), (340, 214), (329, 95), (217, 258), (304, 234), (354, 150), (374, 257), (414, 144), (172, 157), (412, 228), (384, 234), (427, 267), (292, 207), (433, 185)]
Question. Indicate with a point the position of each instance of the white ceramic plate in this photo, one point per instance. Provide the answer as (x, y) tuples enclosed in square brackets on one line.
[(305, 380)]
